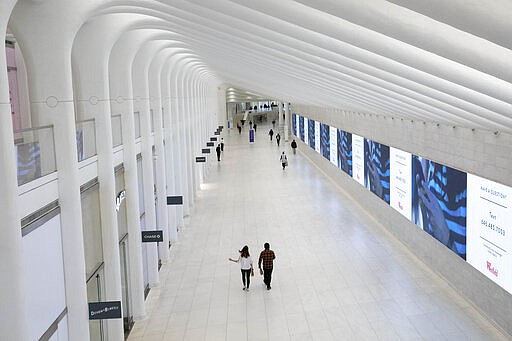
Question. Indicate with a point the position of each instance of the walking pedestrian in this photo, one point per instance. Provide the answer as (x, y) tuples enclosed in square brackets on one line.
[(267, 257), (271, 133), (284, 160), (250, 124), (218, 152), (239, 128), (278, 139), (254, 127), (245, 261), (273, 123), (222, 144), (294, 147)]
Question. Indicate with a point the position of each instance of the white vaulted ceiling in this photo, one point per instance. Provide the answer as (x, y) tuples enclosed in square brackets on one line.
[(444, 61)]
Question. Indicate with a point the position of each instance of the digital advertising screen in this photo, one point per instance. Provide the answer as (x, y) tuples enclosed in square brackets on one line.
[(317, 137), (306, 130), (311, 133), (400, 181), (333, 138), (358, 158), (489, 229), (439, 202), (325, 144), (345, 151), (301, 128), (376, 168)]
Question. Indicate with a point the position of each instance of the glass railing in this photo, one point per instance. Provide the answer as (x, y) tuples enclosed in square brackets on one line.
[(136, 117), (35, 153), (85, 139), (117, 135), (152, 120)]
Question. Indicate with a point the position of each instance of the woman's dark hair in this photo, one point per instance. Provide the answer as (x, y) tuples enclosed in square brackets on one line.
[(245, 252)]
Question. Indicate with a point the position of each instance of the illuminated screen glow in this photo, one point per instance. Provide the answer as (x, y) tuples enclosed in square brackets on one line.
[(345, 151), (439, 202)]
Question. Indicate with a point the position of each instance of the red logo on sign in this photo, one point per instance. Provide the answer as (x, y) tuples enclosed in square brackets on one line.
[(491, 269)]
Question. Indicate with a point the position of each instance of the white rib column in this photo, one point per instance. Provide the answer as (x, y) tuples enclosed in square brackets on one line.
[(170, 157), (281, 120), (120, 73), (286, 120), (155, 94), (92, 90), (51, 97), (12, 309), (140, 71)]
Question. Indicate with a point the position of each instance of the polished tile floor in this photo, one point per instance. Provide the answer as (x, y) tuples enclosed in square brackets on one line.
[(337, 274)]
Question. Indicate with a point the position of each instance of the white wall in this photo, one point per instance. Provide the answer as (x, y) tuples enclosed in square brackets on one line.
[(43, 269)]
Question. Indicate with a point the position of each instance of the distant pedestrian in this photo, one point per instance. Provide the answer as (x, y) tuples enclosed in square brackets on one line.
[(218, 152), (273, 123), (250, 124), (278, 139), (245, 261), (294, 147), (284, 160), (222, 144), (254, 127), (239, 128), (271, 133), (267, 257)]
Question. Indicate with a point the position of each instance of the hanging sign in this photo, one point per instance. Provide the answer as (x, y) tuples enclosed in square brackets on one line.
[(152, 236), (175, 200), (213, 139), (206, 150), (200, 158), (104, 310), (210, 144)]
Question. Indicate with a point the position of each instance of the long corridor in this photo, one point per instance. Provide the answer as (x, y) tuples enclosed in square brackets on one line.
[(337, 275)]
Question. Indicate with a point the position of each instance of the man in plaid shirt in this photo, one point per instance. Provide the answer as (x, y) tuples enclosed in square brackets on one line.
[(267, 257)]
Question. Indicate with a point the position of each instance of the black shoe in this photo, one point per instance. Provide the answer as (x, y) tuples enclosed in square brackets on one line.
[(268, 287)]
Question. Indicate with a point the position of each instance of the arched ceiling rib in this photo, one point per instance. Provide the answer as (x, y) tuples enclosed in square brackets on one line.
[(375, 56)]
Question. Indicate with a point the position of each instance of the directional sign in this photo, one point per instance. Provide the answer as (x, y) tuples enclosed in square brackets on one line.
[(210, 144), (105, 310), (175, 200), (216, 133), (213, 139), (152, 236), (200, 158), (206, 150)]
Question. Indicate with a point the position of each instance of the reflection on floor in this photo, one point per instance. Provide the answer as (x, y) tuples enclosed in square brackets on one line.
[(337, 275)]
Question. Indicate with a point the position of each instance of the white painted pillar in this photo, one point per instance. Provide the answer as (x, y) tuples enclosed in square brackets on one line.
[(170, 157), (51, 98), (189, 152), (140, 69), (176, 146), (155, 94), (121, 91), (188, 131), (92, 96), (281, 120), (221, 108), (184, 153), (12, 309), (286, 120)]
